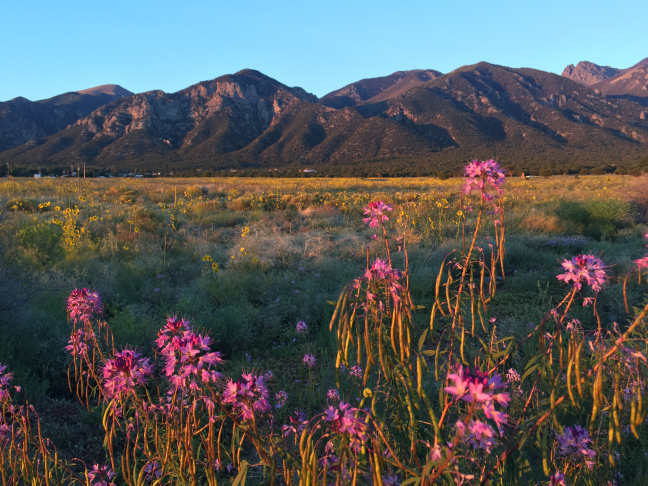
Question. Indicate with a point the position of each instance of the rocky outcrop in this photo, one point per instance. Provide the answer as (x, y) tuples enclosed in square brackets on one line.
[(588, 73)]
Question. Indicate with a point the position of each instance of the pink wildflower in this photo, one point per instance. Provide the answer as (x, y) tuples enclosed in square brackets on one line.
[(479, 388), (248, 395), (584, 268), (101, 476), (5, 378), (188, 356), (175, 326), (382, 275), (77, 343), (376, 213), (557, 479), (484, 176), (481, 435), (122, 373), (82, 305), (356, 372), (333, 394), (309, 360), (642, 262), (281, 398), (343, 421), (301, 327), (297, 424)]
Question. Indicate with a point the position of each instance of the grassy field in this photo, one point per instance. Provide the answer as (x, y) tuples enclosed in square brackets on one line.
[(246, 259)]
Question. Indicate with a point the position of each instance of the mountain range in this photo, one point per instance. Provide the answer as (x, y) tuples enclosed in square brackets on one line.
[(423, 119)]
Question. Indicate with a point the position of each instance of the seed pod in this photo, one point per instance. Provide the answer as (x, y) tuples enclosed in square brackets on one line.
[(545, 452), (579, 384), (569, 382), (633, 416)]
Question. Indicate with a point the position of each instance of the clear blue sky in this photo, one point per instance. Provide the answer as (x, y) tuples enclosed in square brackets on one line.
[(50, 47)]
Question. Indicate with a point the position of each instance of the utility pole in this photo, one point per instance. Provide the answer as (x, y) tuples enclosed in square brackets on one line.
[(78, 170), (84, 170)]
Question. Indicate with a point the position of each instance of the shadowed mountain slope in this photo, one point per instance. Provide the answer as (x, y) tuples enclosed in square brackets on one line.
[(22, 120)]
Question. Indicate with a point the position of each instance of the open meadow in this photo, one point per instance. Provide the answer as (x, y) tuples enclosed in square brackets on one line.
[(324, 331)]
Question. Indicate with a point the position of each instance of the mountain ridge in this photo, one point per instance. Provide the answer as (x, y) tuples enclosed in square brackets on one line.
[(248, 119)]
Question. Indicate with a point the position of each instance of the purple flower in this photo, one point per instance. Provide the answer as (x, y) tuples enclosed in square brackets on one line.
[(309, 360), (512, 376), (574, 442), (391, 480), (375, 213), (297, 423), (281, 398), (484, 176), (481, 435), (584, 268), (557, 479), (247, 395), (356, 372), (479, 388), (342, 420), (101, 475), (124, 372), (301, 327), (153, 471), (82, 305)]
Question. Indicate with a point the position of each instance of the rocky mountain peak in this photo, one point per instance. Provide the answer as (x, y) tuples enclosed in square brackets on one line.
[(588, 73)]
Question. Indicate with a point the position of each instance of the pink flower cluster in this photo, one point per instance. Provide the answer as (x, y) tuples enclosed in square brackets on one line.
[(309, 360), (557, 479), (101, 476), (124, 372), (333, 395), (375, 213), (5, 378), (356, 371), (188, 355), (82, 305), (342, 419), (574, 442), (479, 388), (484, 176), (281, 397), (77, 343), (297, 423), (301, 327), (643, 262), (247, 395), (480, 434), (584, 269), (382, 272)]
